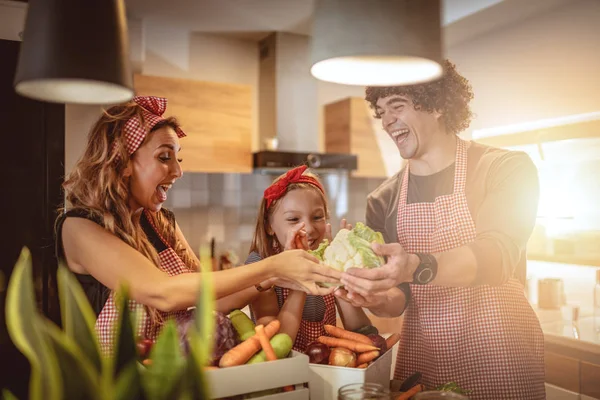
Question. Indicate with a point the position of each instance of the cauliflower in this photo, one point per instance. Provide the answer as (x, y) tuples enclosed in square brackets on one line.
[(350, 249)]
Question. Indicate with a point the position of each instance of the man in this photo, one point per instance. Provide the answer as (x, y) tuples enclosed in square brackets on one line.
[(456, 221)]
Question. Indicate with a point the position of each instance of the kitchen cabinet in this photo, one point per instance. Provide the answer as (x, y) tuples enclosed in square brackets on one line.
[(570, 373), (350, 129), (557, 393), (216, 117)]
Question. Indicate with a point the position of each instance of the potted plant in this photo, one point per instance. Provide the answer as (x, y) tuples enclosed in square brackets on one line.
[(67, 363)]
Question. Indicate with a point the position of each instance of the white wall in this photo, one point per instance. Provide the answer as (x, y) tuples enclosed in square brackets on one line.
[(546, 66)]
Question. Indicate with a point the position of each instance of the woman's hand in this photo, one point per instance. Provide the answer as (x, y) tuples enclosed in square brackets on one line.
[(296, 238), (343, 225), (298, 270)]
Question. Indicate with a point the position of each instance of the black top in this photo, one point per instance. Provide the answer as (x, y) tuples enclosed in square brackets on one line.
[(96, 292)]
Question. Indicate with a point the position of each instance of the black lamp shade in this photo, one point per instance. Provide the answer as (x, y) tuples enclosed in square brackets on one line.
[(75, 51)]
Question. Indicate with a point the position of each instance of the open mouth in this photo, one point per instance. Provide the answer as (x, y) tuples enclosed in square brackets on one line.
[(400, 135), (162, 190)]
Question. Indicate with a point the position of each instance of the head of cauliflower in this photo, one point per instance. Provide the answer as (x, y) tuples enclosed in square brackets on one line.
[(351, 249)]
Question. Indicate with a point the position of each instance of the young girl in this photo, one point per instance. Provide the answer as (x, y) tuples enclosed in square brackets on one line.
[(293, 215), (117, 231)]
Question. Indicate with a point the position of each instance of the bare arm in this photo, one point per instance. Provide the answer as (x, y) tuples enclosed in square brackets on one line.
[(352, 317), (235, 301), (92, 250), (265, 308)]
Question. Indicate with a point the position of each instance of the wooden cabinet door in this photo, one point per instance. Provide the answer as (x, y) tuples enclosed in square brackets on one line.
[(216, 117)]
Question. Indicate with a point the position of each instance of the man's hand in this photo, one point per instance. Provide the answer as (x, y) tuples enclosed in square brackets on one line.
[(372, 301), (399, 268)]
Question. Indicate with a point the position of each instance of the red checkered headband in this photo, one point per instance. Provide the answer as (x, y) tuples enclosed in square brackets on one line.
[(278, 189), (152, 109)]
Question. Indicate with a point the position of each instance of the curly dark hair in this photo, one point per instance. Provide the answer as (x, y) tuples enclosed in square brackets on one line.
[(450, 95)]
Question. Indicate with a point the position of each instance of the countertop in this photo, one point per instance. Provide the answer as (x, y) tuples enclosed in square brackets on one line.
[(581, 336)]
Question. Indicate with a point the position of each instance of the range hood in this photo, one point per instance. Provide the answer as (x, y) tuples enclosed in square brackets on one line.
[(288, 112)]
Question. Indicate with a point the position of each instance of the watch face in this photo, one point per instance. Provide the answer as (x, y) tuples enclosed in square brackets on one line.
[(425, 275)]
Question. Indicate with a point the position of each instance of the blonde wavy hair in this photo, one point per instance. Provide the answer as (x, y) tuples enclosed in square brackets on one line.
[(265, 244), (97, 186)]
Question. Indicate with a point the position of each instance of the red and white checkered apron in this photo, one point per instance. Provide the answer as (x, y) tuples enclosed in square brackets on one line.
[(485, 338), (310, 331), (169, 263)]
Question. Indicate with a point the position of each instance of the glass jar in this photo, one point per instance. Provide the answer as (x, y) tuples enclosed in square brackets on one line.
[(363, 391), (434, 395)]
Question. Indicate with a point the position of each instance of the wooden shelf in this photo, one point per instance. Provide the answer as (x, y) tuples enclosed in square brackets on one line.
[(580, 130), (216, 117)]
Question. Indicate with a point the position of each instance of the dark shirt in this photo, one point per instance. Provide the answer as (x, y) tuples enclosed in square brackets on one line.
[(96, 292), (502, 192)]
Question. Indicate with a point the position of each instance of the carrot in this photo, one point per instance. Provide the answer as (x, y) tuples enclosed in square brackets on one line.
[(363, 366), (392, 340), (344, 334), (411, 392), (367, 357), (289, 388), (241, 353), (264, 343), (349, 344)]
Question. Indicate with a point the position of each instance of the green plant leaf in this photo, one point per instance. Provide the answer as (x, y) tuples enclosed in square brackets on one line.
[(194, 381), (125, 349), (23, 323), (128, 384), (163, 377), (204, 319), (7, 395), (78, 318), (81, 379)]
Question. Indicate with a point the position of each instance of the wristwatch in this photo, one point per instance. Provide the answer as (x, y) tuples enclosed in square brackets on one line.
[(427, 269)]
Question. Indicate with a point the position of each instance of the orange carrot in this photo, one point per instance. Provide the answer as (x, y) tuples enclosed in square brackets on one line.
[(264, 343), (392, 340), (244, 351), (363, 366), (344, 334), (410, 392), (367, 357), (289, 388), (349, 344)]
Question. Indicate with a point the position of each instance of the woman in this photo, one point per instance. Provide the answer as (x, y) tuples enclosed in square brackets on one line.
[(117, 231), (293, 215)]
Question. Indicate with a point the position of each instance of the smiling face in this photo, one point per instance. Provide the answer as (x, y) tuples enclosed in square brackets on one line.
[(411, 129), (153, 169), (303, 205)]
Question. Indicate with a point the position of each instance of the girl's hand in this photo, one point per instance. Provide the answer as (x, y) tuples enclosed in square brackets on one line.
[(296, 238), (343, 225), (357, 300)]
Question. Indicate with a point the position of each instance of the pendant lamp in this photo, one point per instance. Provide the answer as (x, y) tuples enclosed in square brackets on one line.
[(377, 42), (75, 51)]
